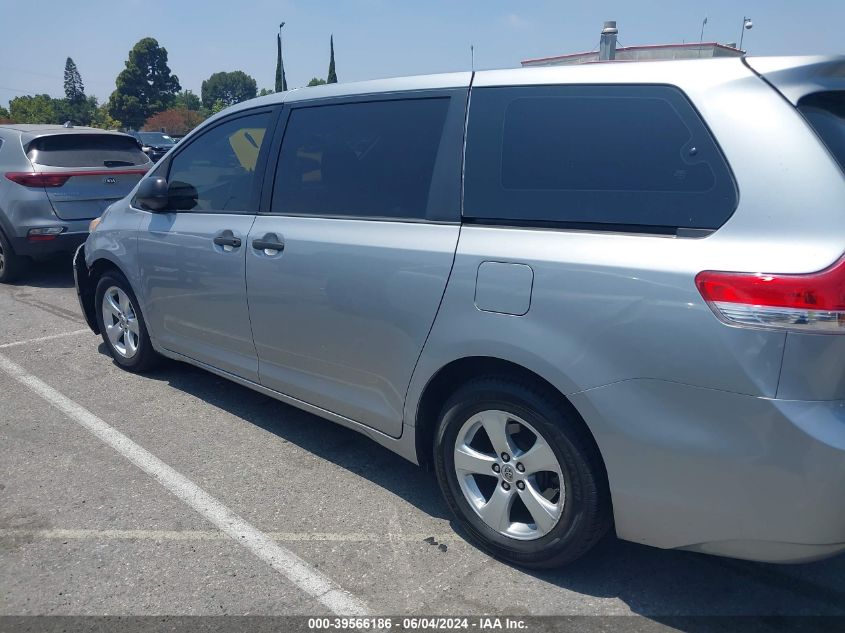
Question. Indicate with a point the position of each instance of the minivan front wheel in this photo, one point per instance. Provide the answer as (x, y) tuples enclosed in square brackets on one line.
[(122, 325), (520, 473)]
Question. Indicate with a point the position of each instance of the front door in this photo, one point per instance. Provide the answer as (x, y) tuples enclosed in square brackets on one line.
[(346, 271), (193, 254)]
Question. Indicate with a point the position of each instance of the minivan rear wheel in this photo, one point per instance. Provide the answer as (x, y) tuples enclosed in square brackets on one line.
[(122, 325), (520, 473), (12, 266)]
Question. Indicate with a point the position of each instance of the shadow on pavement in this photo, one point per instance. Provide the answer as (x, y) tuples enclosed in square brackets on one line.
[(665, 583), (56, 272), (658, 584), (344, 447)]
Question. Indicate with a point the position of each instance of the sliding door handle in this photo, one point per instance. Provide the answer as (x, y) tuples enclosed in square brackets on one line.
[(270, 242)]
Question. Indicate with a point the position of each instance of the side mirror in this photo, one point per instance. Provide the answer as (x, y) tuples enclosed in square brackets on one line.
[(153, 194)]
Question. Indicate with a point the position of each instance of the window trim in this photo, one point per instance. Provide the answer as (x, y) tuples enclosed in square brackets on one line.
[(605, 227), (162, 168), (447, 173)]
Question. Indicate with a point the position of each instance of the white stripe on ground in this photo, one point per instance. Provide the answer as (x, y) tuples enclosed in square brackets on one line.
[(41, 339), (282, 560), (211, 535)]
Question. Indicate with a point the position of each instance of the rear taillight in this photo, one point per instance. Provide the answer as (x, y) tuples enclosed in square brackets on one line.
[(35, 179), (41, 179), (812, 302)]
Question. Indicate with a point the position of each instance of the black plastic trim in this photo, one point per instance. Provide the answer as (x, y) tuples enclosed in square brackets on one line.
[(592, 227)]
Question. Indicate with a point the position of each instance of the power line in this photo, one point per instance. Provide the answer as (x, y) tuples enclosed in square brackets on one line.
[(46, 76), (26, 92), (30, 72)]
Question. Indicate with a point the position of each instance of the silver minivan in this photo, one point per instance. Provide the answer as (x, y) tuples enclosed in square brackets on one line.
[(604, 297)]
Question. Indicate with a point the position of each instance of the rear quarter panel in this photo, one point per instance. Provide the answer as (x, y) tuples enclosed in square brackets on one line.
[(610, 307)]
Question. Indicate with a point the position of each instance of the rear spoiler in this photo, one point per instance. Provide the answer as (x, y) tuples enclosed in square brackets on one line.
[(797, 77)]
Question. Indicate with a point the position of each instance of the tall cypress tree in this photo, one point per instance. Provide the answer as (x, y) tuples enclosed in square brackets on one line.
[(281, 81), (74, 90), (332, 78)]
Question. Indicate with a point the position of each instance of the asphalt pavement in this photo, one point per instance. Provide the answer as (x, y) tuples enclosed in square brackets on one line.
[(88, 529)]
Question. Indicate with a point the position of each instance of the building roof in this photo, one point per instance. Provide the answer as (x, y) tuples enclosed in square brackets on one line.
[(629, 51)]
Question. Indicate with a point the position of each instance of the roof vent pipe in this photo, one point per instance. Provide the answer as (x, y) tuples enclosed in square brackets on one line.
[(607, 44)]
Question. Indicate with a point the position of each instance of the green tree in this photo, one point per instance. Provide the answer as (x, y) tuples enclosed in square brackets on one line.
[(145, 86), (188, 100), (77, 112), (5, 117), (230, 88), (74, 89), (332, 77), (316, 81), (281, 81), (33, 109), (217, 106), (103, 120), (264, 92)]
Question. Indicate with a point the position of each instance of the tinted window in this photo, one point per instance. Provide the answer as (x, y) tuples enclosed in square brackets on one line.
[(621, 155), (155, 138), (373, 159), (216, 171), (825, 111), (86, 150)]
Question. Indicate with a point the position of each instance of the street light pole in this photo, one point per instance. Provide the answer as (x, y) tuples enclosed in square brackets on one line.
[(280, 65), (747, 25)]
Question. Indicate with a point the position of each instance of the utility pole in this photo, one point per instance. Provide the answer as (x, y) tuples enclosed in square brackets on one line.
[(701, 37), (472, 56)]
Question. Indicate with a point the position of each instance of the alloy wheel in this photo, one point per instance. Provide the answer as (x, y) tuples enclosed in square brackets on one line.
[(121, 322), (509, 475)]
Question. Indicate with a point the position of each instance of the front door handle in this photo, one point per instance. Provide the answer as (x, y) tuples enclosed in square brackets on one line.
[(270, 242), (227, 238)]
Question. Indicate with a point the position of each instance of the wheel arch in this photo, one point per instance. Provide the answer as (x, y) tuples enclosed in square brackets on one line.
[(87, 278), (457, 373)]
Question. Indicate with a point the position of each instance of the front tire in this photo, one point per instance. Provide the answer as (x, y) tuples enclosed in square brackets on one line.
[(122, 325), (521, 472)]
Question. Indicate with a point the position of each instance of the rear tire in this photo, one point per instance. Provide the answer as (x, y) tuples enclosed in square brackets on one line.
[(12, 266), (535, 508), (122, 325)]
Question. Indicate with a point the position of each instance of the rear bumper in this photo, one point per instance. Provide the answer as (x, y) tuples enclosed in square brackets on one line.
[(64, 243), (722, 473)]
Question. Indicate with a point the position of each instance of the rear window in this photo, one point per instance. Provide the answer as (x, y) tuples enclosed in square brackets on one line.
[(632, 156), (825, 111), (86, 150)]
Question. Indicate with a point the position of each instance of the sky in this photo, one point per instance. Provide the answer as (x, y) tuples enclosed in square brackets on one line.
[(373, 38)]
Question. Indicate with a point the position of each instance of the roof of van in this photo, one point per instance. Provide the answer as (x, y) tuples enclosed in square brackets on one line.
[(612, 71)]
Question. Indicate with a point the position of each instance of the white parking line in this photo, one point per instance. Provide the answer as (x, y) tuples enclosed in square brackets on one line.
[(213, 535), (45, 338), (282, 560)]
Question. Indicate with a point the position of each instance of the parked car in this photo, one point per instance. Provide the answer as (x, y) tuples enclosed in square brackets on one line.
[(154, 144), (55, 180), (597, 297)]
